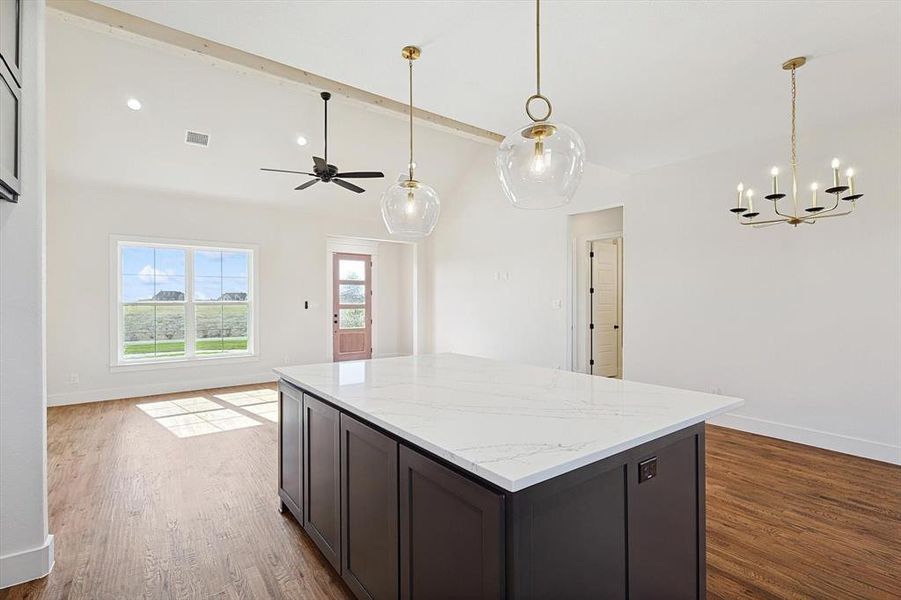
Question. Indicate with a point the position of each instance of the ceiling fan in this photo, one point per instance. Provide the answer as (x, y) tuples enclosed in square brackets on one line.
[(324, 172)]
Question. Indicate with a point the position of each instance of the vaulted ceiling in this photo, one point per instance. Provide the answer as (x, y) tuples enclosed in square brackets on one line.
[(646, 83)]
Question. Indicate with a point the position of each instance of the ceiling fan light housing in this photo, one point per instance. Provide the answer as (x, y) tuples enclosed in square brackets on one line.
[(410, 209), (540, 165)]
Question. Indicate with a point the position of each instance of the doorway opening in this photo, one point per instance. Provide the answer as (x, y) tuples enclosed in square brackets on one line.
[(596, 331), (371, 302)]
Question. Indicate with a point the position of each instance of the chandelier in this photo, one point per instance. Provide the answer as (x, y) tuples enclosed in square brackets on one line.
[(540, 165), (813, 212)]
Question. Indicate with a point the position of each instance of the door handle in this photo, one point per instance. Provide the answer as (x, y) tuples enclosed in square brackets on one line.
[(616, 326)]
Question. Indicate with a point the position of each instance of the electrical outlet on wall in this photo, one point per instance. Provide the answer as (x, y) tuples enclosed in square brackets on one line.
[(716, 390), (73, 378)]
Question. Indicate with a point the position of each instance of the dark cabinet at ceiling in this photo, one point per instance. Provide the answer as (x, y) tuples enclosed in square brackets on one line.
[(369, 535), (451, 533), (290, 445), (321, 477)]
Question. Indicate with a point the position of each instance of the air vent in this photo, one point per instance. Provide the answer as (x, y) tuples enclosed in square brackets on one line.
[(195, 138)]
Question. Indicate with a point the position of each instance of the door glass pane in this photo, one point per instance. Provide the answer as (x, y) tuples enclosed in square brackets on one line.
[(351, 294), (208, 323), (170, 330), (351, 318), (352, 269)]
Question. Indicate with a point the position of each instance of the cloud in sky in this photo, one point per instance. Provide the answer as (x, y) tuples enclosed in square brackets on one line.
[(148, 274)]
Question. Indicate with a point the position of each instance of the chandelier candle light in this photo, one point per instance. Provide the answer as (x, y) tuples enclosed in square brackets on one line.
[(540, 165), (410, 208), (815, 210)]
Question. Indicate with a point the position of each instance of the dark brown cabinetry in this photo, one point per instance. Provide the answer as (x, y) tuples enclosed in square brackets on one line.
[(290, 444), (451, 533), (397, 522), (369, 533), (664, 534), (321, 477)]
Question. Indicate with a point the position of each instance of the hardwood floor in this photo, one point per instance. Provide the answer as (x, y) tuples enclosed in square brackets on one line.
[(163, 498)]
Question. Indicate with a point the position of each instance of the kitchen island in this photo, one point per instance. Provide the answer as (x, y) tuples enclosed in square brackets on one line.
[(450, 476)]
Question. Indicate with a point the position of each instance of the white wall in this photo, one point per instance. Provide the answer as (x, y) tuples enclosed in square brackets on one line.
[(26, 549), (500, 275), (82, 216), (803, 324), (394, 305)]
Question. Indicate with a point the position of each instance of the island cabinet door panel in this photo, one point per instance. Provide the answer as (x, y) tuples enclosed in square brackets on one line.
[(568, 536), (666, 543), (289, 447), (451, 533), (322, 495), (369, 534)]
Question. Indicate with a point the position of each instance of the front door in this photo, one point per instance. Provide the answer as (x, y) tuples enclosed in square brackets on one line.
[(606, 335), (352, 306)]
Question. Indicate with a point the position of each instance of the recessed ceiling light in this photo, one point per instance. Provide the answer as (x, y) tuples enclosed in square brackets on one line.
[(301, 141), (134, 104)]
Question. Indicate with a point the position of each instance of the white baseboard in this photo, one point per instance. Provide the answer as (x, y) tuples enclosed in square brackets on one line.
[(813, 437), (33, 563), (152, 389)]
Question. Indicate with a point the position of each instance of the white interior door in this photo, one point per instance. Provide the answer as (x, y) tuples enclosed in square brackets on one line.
[(606, 333)]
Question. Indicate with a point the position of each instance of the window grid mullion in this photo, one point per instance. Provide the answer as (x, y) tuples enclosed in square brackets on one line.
[(190, 322)]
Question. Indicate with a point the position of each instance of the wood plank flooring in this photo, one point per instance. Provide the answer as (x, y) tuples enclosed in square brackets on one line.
[(139, 512)]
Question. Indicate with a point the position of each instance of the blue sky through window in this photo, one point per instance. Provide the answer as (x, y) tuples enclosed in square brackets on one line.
[(159, 273)]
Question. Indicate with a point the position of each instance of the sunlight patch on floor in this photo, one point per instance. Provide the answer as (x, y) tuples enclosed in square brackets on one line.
[(267, 410), (189, 417)]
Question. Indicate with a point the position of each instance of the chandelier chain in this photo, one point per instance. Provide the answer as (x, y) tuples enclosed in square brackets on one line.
[(794, 138)]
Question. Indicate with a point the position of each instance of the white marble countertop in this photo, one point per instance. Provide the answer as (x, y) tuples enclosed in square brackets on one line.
[(510, 424)]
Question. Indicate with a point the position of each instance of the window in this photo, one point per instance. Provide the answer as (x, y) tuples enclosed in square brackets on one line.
[(179, 302)]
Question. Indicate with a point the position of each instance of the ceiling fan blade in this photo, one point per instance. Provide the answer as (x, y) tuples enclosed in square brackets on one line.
[(349, 186), (304, 186), (360, 174), (285, 171), (320, 164)]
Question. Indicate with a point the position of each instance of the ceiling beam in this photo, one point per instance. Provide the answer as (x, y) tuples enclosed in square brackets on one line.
[(123, 21)]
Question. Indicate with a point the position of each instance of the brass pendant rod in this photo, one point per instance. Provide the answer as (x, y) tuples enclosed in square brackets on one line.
[(410, 165), (538, 47)]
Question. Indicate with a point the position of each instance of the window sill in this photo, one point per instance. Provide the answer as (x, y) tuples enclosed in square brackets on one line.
[(150, 365)]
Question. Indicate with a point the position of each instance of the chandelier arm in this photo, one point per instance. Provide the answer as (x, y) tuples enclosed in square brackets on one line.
[(767, 222), (838, 214), (776, 208)]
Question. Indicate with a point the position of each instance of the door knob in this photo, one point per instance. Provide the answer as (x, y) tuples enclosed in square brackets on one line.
[(616, 326)]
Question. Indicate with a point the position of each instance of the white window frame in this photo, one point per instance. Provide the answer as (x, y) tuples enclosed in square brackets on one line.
[(117, 359)]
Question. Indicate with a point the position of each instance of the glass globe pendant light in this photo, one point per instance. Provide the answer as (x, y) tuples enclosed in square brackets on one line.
[(409, 207), (540, 165)]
